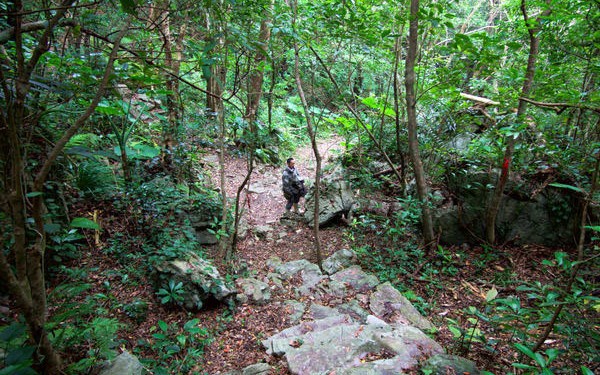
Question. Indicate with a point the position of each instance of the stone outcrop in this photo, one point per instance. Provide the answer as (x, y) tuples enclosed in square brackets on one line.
[(123, 364), (529, 214), (200, 281), (336, 198), (349, 323)]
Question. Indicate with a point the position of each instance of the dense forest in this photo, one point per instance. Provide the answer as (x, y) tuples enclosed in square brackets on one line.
[(469, 132)]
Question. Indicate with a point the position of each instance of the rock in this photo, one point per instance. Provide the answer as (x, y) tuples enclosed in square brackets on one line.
[(339, 260), (443, 364), (333, 288), (257, 369), (295, 309), (123, 364), (205, 237), (387, 303), (408, 344), (336, 198), (201, 280), (289, 269), (356, 278), (275, 278), (526, 215), (355, 310), (279, 344), (339, 344), (321, 312), (263, 231), (254, 291), (311, 277)]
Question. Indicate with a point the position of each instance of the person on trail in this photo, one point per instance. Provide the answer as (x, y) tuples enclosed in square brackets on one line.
[(293, 186)]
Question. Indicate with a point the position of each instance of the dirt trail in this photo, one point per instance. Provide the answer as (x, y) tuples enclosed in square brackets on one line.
[(238, 340), (266, 204)]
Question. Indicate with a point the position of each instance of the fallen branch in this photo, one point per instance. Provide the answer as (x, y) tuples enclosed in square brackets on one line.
[(479, 99)]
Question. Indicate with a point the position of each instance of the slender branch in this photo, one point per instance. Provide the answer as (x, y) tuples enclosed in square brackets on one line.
[(353, 111), (559, 107), (5, 36)]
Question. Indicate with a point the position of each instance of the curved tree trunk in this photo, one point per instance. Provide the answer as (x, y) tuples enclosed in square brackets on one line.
[(25, 280), (533, 29), (411, 111)]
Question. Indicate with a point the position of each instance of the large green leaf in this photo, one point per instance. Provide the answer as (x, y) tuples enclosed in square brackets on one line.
[(84, 223)]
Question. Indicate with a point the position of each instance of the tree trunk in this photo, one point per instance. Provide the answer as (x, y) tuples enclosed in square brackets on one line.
[(313, 141), (173, 54), (25, 279), (494, 206), (398, 117), (413, 142), (257, 75), (215, 73)]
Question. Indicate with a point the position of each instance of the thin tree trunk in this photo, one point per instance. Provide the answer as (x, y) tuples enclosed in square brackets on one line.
[(580, 255), (357, 117), (411, 110), (398, 117), (257, 75), (494, 206), (313, 141), (26, 283)]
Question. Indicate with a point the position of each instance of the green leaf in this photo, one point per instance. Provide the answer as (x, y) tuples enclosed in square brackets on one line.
[(537, 357), (34, 194), (19, 355), (82, 222), (163, 326), (565, 186), (586, 371), (12, 332), (108, 108), (128, 6), (491, 294)]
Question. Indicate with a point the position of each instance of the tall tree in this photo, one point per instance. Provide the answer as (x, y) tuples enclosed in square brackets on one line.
[(533, 28), (24, 185), (411, 112)]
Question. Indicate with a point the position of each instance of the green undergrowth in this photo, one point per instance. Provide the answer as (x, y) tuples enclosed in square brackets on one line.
[(480, 298)]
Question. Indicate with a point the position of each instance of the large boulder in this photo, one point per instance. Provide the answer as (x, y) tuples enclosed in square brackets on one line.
[(528, 214), (339, 260), (123, 364), (200, 281), (253, 291), (337, 343), (336, 198), (442, 364), (390, 305)]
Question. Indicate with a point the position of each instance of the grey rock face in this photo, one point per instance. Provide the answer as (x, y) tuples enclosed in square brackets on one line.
[(124, 364), (201, 280), (257, 369), (443, 364), (254, 291), (335, 198), (337, 343), (339, 260), (525, 216), (390, 305), (356, 278), (296, 310)]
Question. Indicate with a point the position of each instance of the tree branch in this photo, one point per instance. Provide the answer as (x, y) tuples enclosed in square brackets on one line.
[(559, 107)]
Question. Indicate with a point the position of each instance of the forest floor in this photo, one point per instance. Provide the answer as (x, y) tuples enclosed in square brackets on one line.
[(237, 335)]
